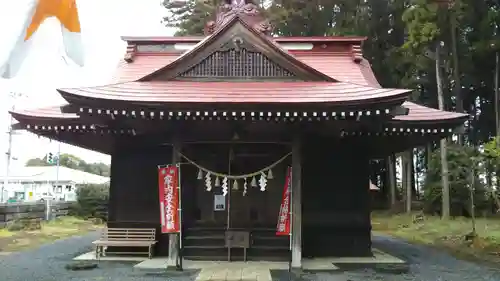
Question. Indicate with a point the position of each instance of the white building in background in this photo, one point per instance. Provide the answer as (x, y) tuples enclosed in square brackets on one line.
[(37, 183)]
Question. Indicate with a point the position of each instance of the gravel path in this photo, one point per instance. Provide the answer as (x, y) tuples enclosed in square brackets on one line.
[(426, 264), (47, 264)]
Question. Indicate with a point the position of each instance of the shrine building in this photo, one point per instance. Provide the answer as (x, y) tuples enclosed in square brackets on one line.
[(234, 109)]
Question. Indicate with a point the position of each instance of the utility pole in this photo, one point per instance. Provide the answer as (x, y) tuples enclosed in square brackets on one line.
[(8, 154), (58, 161)]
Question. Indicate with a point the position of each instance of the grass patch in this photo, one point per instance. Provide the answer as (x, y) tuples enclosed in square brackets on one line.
[(11, 241), (5, 233), (453, 235)]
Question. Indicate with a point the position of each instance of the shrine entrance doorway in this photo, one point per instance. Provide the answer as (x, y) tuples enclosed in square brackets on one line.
[(238, 190), (252, 199)]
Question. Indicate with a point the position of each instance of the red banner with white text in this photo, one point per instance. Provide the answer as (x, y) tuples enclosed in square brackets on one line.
[(168, 187), (283, 227)]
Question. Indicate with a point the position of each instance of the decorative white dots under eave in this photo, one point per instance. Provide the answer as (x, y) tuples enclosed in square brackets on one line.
[(399, 131), (221, 115)]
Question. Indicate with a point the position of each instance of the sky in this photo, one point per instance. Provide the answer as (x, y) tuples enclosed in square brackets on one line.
[(44, 70)]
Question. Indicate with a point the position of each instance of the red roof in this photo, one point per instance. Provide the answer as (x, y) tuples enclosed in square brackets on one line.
[(51, 112), (340, 66), (422, 113), (141, 66), (238, 92), (416, 113), (358, 86)]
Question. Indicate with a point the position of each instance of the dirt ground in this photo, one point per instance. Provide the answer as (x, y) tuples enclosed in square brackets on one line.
[(452, 235), (13, 241)]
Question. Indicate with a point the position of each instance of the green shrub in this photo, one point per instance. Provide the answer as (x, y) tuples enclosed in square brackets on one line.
[(16, 226), (92, 201), (25, 224), (460, 160)]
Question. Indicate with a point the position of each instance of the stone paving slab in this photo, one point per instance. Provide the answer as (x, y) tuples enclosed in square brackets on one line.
[(236, 271)]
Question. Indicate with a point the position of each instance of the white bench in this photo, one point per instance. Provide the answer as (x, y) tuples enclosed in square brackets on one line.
[(126, 237)]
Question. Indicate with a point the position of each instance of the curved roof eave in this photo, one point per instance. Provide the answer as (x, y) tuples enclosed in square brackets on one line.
[(423, 115), (183, 92), (50, 113)]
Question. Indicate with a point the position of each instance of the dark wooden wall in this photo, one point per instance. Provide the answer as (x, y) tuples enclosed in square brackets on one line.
[(335, 198), (336, 211), (134, 189)]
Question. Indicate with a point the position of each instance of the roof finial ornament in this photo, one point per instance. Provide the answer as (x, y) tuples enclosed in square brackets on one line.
[(247, 10)]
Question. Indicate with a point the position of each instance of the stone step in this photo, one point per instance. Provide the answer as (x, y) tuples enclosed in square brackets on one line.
[(270, 241), (236, 258), (253, 253), (207, 240)]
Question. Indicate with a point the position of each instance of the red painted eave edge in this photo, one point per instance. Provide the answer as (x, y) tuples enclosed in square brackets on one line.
[(23, 115), (196, 39)]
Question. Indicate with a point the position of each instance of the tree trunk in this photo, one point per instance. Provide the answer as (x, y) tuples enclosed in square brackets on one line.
[(497, 125), (409, 185), (456, 71), (391, 169), (497, 117), (415, 177), (428, 155), (403, 177), (445, 209)]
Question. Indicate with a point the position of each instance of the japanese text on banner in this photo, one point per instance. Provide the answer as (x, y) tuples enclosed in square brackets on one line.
[(168, 187), (283, 227)]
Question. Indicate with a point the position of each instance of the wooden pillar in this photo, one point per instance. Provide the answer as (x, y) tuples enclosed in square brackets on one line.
[(173, 239), (409, 187), (296, 202), (391, 167)]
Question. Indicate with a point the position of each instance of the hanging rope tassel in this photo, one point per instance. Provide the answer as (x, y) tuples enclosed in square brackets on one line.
[(270, 175), (200, 174), (253, 183), (224, 186), (208, 182), (263, 182), (235, 185), (217, 182)]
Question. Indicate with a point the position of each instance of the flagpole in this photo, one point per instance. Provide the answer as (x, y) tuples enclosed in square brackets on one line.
[(180, 214)]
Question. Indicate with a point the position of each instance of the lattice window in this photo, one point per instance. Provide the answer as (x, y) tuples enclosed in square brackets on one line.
[(237, 64)]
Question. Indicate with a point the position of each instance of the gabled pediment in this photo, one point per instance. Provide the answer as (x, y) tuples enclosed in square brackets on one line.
[(237, 52)]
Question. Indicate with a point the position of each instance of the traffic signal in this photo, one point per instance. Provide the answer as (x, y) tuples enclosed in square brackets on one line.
[(50, 158)]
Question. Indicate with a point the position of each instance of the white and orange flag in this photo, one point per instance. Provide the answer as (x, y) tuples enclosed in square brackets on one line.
[(39, 10)]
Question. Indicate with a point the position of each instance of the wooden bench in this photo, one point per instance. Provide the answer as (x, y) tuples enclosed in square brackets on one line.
[(126, 237)]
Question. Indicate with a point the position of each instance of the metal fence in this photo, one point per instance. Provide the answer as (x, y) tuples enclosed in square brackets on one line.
[(47, 210)]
